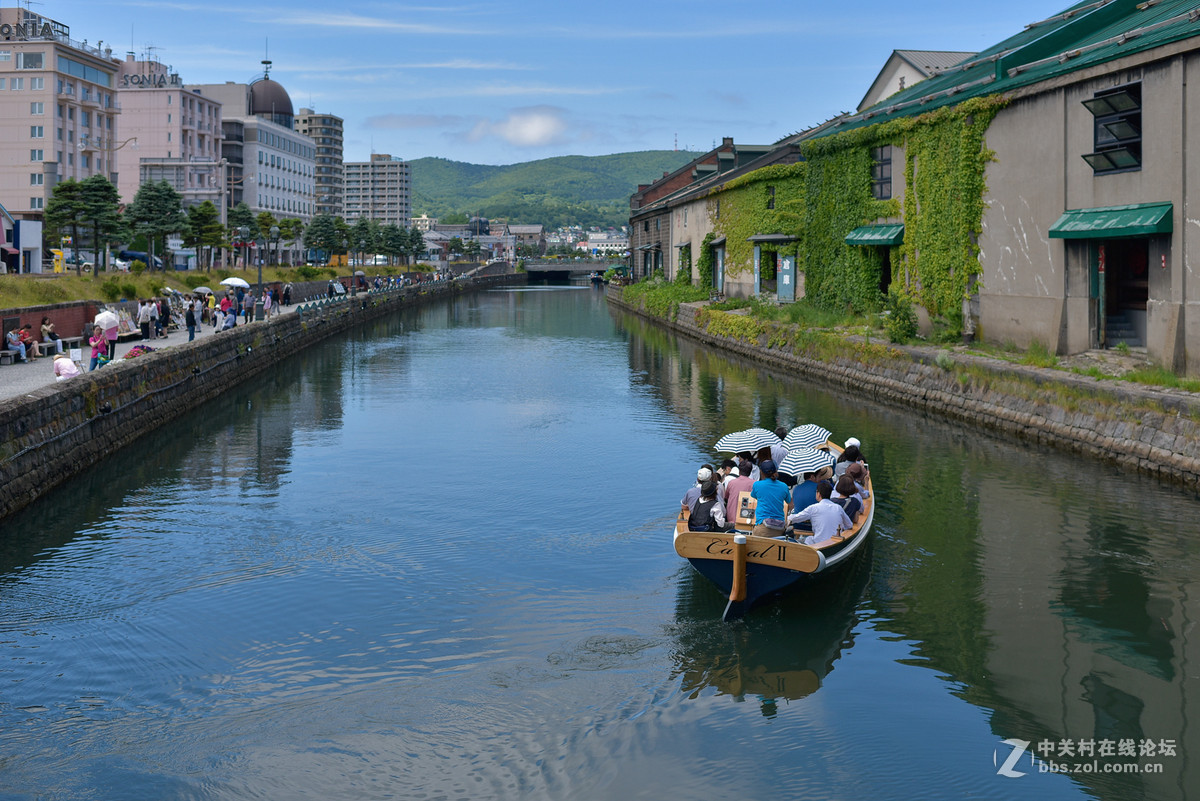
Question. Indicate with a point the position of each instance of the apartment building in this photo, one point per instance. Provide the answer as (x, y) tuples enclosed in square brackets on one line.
[(326, 131), (379, 189)]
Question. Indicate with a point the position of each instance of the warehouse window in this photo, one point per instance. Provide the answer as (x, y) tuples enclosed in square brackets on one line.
[(1117, 131)]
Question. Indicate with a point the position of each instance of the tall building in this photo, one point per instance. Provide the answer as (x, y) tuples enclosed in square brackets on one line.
[(326, 131), (379, 189), (171, 133), (58, 113), (271, 166)]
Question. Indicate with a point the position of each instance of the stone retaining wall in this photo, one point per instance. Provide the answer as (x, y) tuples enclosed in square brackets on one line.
[(1149, 430), (61, 430)]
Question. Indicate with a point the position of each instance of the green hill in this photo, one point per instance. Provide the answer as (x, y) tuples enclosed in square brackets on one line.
[(567, 190)]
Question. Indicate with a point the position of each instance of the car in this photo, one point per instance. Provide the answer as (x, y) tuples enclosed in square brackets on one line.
[(120, 264)]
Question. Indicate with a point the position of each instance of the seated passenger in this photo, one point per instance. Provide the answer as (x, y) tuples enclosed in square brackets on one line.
[(707, 513), (846, 495), (858, 472), (772, 496), (804, 494), (850, 455), (827, 517), (743, 482), (702, 475), (779, 451)]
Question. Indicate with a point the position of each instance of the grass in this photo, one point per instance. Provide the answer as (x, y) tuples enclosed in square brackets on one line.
[(1161, 377), (19, 291)]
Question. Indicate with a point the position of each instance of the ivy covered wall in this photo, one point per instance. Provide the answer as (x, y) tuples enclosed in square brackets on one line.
[(823, 198), (744, 212)]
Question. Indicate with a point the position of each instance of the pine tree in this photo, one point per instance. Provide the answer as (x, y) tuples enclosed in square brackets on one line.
[(204, 229), (156, 213), (102, 210), (66, 212)]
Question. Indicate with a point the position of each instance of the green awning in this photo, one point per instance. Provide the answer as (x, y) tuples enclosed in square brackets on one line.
[(1112, 222), (885, 235)]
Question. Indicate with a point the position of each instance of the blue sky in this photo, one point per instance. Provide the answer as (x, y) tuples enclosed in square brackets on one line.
[(500, 83)]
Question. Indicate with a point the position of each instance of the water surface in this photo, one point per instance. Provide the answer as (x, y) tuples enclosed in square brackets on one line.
[(431, 559)]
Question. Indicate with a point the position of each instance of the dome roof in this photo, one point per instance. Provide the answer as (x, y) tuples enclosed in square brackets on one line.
[(270, 98)]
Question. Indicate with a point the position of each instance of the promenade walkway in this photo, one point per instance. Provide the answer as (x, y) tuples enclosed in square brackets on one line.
[(19, 379)]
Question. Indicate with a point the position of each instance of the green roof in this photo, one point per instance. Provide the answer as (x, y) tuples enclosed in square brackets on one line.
[(1086, 34), (886, 235), (1114, 222)]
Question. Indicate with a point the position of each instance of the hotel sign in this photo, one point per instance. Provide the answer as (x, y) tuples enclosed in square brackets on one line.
[(26, 30), (160, 81)]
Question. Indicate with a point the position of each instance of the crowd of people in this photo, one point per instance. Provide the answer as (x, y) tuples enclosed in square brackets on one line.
[(812, 508)]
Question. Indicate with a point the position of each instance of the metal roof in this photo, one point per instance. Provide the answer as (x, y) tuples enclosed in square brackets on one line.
[(1085, 35), (931, 61)]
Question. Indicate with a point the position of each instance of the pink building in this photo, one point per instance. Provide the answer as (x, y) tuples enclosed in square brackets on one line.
[(169, 132)]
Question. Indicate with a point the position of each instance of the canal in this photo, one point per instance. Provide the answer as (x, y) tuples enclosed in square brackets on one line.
[(431, 559)]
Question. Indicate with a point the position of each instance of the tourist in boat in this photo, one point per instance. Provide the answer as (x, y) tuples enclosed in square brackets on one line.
[(707, 513), (804, 494), (727, 470), (743, 482), (827, 517), (848, 456), (779, 451), (858, 472), (846, 495), (771, 496), (690, 497)]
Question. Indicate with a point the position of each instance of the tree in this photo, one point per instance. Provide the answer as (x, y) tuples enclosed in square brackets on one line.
[(393, 241), (455, 245), (416, 243), (102, 209), (204, 229), (323, 234), (66, 212), (157, 212), (363, 236)]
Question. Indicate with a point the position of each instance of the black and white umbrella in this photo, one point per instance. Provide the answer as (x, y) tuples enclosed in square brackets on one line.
[(752, 439), (804, 460), (809, 435)]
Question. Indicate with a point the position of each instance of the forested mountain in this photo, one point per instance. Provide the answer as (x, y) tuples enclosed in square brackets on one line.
[(567, 190)]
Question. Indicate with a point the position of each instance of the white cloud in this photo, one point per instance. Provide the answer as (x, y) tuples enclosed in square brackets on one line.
[(538, 126)]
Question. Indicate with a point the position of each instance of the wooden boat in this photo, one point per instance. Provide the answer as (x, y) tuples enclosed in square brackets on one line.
[(749, 569)]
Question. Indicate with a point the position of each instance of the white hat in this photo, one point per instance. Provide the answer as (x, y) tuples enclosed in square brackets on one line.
[(703, 474), (853, 441), (733, 471)]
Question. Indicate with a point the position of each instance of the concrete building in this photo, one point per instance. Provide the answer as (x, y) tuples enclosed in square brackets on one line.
[(271, 166), (532, 236), (1085, 239), (58, 111), (424, 223), (379, 189), (171, 133), (327, 133)]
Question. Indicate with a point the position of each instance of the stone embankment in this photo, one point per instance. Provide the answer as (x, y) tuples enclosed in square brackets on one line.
[(56, 432), (1146, 429)]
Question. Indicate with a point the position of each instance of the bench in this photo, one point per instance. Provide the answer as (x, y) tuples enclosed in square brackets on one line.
[(71, 342), (7, 356)]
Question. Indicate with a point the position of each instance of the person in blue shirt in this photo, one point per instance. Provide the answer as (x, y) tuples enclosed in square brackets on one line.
[(771, 495)]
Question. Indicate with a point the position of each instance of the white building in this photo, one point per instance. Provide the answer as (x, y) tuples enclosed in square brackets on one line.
[(270, 165), (380, 190)]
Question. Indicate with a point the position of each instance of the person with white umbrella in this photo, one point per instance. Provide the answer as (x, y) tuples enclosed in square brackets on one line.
[(109, 322)]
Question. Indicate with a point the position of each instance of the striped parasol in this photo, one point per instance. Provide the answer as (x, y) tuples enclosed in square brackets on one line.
[(809, 435), (805, 460), (752, 439)]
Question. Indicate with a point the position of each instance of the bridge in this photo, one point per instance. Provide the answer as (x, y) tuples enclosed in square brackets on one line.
[(560, 270)]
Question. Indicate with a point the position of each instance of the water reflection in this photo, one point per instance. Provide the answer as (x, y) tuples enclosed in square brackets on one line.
[(784, 654)]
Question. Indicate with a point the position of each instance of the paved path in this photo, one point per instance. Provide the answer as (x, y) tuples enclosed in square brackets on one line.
[(17, 379)]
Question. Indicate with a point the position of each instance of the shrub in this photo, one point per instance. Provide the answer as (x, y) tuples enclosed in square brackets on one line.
[(129, 291), (110, 290), (900, 318), (944, 360), (194, 281), (138, 267), (1039, 355), (306, 273)]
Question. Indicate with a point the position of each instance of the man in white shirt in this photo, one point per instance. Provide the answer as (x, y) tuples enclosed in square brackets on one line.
[(826, 516)]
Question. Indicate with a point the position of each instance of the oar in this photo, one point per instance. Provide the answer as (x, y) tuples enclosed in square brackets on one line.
[(737, 592)]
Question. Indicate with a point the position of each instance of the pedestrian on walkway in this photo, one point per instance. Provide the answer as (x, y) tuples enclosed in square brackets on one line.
[(189, 319)]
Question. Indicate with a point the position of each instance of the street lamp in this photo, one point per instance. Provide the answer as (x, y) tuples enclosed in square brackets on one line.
[(274, 232), (244, 238), (258, 292)]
